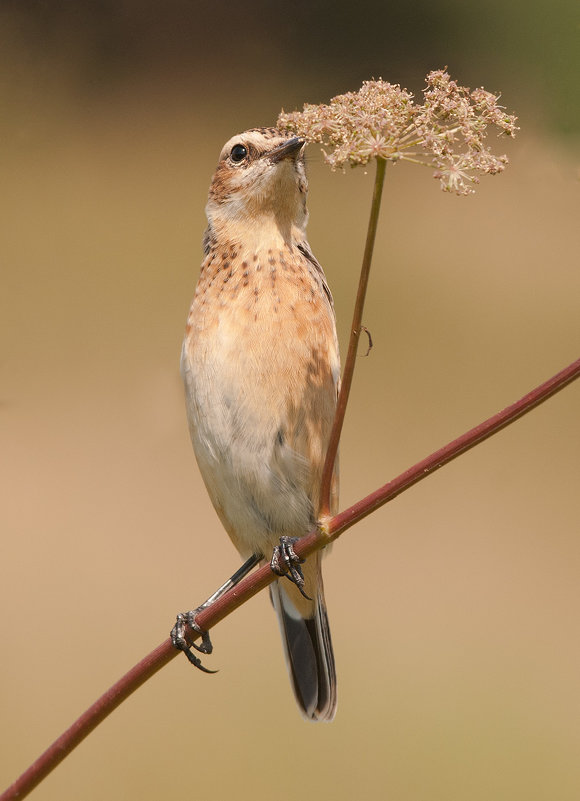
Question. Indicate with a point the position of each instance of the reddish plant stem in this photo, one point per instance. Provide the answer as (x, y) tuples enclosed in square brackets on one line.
[(89, 720), (260, 579), (355, 331), (344, 520)]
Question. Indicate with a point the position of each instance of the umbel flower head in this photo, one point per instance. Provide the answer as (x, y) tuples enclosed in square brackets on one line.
[(446, 132)]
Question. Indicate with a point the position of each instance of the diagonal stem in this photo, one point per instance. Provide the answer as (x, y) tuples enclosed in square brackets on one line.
[(355, 332), (260, 579), (457, 447)]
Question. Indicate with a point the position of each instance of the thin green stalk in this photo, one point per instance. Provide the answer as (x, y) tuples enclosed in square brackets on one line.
[(355, 332)]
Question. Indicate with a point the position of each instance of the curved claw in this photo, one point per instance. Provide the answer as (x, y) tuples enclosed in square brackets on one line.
[(196, 661), (180, 642), (286, 562)]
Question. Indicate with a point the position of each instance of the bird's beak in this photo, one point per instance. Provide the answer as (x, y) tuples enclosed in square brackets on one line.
[(285, 150)]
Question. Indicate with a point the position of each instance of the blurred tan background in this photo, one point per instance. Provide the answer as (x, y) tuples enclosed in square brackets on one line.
[(455, 608)]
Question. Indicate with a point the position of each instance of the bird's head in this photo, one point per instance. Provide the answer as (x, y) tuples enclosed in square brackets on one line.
[(259, 186)]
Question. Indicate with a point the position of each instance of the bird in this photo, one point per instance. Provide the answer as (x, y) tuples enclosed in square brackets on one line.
[(261, 370)]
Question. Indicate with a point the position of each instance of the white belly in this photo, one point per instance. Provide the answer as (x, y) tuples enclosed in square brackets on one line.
[(257, 482)]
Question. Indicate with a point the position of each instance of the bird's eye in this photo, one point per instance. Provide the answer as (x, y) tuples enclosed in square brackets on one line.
[(238, 153)]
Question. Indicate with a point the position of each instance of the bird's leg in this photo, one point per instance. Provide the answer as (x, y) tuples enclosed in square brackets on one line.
[(286, 562), (185, 619)]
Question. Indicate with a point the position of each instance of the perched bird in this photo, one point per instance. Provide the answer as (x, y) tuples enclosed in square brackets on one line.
[(261, 369)]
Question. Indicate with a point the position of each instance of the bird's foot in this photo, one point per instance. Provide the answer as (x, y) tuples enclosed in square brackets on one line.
[(179, 640), (286, 562)]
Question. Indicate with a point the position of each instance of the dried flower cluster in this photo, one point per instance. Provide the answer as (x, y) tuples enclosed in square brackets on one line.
[(446, 132)]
